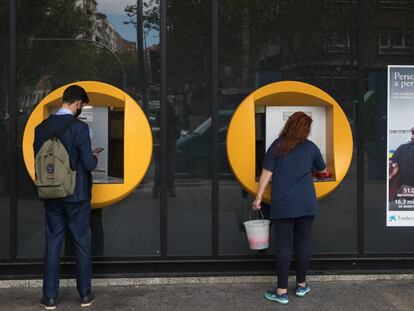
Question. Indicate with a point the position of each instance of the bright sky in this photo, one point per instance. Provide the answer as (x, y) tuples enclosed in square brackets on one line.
[(114, 7), (114, 10)]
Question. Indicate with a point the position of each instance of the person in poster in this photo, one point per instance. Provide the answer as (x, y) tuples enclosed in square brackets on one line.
[(400, 155), (401, 172)]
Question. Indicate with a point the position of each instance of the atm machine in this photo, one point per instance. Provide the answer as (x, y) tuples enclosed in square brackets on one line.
[(270, 121), (107, 134), (259, 119), (118, 125)]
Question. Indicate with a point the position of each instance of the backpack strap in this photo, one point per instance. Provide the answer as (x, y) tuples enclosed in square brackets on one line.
[(62, 130), (65, 127)]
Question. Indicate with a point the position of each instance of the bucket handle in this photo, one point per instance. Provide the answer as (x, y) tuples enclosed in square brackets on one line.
[(250, 214)]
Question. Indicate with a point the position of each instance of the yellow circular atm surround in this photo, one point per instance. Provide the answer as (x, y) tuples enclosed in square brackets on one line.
[(241, 147), (137, 137)]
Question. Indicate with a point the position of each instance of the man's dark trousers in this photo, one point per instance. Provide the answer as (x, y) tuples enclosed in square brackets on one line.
[(76, 216)]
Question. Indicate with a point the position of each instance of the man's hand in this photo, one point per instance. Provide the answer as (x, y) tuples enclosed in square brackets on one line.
[(393, 170), (97, 151)]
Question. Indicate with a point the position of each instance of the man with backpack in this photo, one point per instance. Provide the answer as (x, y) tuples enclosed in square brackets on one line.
[(63, 164)]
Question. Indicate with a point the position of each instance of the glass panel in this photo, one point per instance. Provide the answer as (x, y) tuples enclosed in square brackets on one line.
[(396, 38), (4, 128), (189, 127), (90, 40), (409, 40), (380, 238), (263, 42), (384, 39)]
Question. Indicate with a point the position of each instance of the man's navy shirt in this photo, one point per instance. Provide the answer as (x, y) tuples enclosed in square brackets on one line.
[(404, 157)]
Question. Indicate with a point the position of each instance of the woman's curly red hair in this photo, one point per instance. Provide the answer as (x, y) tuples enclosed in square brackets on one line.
[(295, 132)]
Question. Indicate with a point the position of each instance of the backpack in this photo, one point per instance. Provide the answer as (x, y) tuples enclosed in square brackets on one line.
[(54, 177)]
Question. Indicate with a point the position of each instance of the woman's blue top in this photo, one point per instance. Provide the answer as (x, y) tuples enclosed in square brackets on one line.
[(293, 192)]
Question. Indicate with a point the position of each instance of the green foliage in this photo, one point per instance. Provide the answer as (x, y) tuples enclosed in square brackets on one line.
[(46, 19), (59, 61)]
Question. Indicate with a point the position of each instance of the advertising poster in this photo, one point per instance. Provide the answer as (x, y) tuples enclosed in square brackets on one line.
[(400, 146)]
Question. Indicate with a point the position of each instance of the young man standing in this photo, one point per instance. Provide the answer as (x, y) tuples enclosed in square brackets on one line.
[(73, 210)]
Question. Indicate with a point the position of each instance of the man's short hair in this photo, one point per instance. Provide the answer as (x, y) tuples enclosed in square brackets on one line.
[(74, 93)]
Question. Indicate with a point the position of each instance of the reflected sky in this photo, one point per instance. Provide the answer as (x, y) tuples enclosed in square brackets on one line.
[(114, 10)]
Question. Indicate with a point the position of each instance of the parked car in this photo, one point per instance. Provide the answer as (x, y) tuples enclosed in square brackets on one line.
[(194, 148)]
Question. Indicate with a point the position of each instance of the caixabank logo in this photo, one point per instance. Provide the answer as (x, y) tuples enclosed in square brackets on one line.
[(400, 220), (405, 218)]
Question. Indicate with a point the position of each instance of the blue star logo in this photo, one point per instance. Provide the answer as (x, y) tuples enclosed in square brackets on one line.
[(392, 218)]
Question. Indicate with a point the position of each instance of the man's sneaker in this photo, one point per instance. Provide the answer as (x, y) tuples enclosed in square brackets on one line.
[(48, 304), (87, 301), (272, 295), (302, 291)]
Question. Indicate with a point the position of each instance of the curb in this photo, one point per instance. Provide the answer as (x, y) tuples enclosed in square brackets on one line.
[(207, 280)]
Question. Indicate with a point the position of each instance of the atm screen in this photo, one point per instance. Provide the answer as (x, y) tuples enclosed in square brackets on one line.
[(106, 131), (260, 128)]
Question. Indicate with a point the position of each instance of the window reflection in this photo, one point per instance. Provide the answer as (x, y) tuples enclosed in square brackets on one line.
[(263, 42), (64, 41), (189, 129)]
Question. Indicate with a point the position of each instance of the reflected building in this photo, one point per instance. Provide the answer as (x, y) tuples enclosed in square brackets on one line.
[(89, 8), (108, 36)]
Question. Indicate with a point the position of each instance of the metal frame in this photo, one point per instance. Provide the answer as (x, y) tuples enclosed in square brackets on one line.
[(141, 55), (358, 262), (163, 129), (13, 129), (360, 132), (215, 127), (209, 267)]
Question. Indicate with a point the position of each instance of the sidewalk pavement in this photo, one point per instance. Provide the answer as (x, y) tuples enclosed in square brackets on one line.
[(325, 295)]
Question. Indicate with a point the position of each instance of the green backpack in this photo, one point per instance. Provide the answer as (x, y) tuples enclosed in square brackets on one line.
[(54, 177)]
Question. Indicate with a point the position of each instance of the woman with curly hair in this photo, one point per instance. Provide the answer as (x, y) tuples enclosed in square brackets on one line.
[(290, 162)]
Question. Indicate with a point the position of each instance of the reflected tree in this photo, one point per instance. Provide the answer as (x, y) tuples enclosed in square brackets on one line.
[(45, 65)]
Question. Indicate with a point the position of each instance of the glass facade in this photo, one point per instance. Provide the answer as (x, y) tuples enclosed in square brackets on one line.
[(260, 43), (189, 205), (53, 50), (189, 128), (5, 129)]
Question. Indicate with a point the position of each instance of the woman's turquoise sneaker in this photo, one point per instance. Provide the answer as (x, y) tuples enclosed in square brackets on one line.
[(302, 291), (272, 295)]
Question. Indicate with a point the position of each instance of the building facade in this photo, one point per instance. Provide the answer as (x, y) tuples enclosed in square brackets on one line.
[(203, 58)]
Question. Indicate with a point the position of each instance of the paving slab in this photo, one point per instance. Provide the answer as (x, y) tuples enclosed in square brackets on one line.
[(325, 295)]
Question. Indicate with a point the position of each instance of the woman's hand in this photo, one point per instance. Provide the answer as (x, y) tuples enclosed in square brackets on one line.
[(264, 180), (256, 204)]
